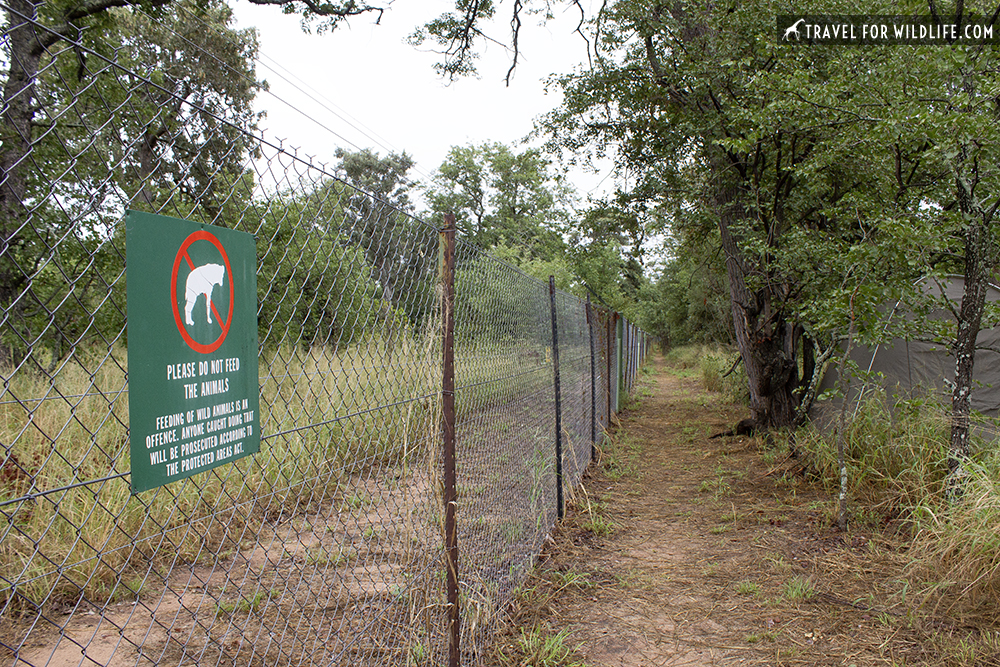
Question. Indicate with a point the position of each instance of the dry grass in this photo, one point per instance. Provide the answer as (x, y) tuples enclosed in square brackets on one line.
[(897, 456), (361, 407), (956, 548), (897, 469), (897, 466), (325, 415)]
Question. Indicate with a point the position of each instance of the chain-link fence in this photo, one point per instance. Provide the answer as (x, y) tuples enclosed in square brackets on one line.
[(328, 546)]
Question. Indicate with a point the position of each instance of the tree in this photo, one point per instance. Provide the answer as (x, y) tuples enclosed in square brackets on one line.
[(559, 267), (185, 138), (936, 116), (818, 167), (457, 33), (387, 178), (688, 301), (378, 220), (608, 248), (68, 153), (501, 197), (316, 287), (668, 102), (771, 155)]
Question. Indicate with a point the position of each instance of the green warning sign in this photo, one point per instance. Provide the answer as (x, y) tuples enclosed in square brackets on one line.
[(194, 394)]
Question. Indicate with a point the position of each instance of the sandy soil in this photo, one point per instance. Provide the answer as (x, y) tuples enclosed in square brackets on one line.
[(721, 553)]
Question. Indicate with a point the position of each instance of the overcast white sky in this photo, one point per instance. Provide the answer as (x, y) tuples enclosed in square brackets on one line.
[(364, 87)]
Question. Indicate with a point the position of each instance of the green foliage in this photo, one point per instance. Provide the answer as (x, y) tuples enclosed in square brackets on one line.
[(386, 178), (608, 275), (314, 287), (686, 356), (799, 589), (622, 457), (504, 315), (502, 197), (515, 205), (327, 16), (454, 32), (401, 251), (689, 302), (558, 266), (597, 521), (897, 466), (188, 129), (179, 149)]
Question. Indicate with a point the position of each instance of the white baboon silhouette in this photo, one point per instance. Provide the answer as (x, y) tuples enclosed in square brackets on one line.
[(202, 280)]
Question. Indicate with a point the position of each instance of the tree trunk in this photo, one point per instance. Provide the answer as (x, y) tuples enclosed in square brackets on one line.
[(766, 342), (16, 127), (765, 339), (979, 262), (808, 362), (147, 158)]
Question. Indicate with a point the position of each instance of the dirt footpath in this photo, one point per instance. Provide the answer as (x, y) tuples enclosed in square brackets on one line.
[(681, 549)]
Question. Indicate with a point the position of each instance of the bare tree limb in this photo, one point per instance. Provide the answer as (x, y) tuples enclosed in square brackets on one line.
[(343, 10), (515, 28)]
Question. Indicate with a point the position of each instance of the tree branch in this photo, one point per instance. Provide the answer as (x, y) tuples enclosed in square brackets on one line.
[(579, 31), (345, 9), (68, 28), (515, 29)]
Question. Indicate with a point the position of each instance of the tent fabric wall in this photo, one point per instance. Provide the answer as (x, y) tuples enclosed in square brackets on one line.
[(917, 368)]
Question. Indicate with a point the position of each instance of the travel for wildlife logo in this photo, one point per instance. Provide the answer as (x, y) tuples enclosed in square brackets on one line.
[(861, 29)]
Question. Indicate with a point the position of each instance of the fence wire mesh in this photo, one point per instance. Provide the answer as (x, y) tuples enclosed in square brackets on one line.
[(326, 547), (575, 381)]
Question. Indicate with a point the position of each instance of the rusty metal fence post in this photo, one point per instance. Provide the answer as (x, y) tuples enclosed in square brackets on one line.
[(447, 241), (610, 367), (560, 510), (593, 383)]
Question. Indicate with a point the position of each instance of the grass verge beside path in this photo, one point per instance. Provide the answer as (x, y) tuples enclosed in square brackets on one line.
[(681, 549)]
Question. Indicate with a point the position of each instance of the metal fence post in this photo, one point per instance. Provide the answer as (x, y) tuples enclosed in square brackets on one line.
[(635, 355), (627, 355), (593, 384), (555, 377), (607, 376), (630, 352), (447, 241), (619, 357)]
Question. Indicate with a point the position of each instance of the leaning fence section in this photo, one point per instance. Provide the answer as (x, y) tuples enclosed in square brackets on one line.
[(328, 546)]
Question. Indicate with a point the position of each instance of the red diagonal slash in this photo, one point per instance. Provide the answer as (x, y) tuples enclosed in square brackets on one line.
[(193, 344)]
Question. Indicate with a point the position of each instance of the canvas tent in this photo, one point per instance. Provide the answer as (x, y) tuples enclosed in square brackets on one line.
[(913, 368)]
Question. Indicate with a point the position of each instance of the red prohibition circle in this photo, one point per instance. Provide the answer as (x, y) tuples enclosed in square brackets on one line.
[(201, 235)]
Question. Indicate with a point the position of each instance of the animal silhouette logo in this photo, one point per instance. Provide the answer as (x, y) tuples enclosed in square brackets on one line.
[(793, 30), (202, 281), (198, 270)]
